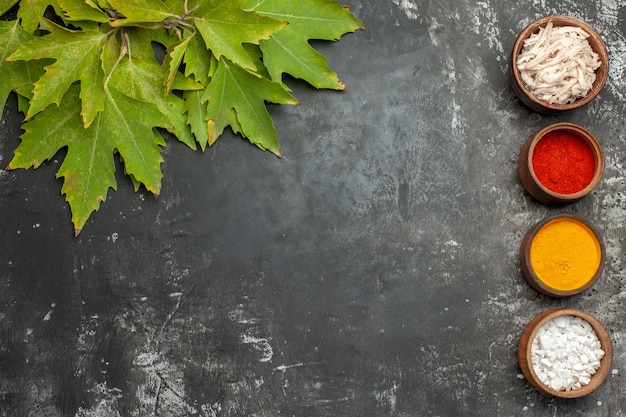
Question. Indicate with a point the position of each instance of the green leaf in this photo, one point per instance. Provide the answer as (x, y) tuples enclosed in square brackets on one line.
[(17, 76), (125, 126), (111, 75), (289, 51), (225, 27), (88, 168), (196, 116), (77, 55), (139, 43), (95, 4), (140, 12), (5, 5), (176, 54), (236, 98), (103, 4), (199, 62), (31, 12), (129, 124), (22, 103), (79, 10), (144, 81)]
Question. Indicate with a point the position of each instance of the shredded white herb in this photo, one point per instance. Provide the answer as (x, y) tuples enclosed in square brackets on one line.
[(557, 64)]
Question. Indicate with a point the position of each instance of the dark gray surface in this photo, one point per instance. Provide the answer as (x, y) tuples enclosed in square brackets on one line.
[(372, 271)]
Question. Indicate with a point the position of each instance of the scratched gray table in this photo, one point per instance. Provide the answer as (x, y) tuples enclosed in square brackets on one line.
[(372, 271)]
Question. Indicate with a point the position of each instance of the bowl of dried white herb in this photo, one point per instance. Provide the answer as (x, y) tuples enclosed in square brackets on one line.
[(558, 63)]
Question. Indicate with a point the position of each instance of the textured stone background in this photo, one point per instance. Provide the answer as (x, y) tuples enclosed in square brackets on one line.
[(372, 271)]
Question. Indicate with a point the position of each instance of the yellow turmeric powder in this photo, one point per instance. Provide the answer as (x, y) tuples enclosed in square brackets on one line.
[(565, 254)]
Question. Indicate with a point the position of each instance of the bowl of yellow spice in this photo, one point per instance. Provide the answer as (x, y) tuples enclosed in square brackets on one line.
[(562, 255)]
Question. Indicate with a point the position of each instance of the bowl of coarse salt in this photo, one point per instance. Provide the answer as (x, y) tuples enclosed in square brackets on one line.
[(558, 63), (565, 353)]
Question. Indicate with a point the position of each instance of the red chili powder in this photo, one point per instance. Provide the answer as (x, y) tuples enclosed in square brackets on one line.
[(563, 162)]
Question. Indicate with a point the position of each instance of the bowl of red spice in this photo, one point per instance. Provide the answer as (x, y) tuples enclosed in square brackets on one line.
[(560, 164), (565, 353), (558, 64)]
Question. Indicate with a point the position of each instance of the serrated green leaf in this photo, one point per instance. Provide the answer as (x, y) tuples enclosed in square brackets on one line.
[(196, 116), (254, 51), (199, 62), (110, 54), (225, 27), (144, 81), (105, 90), (286, 54), (288, 51), (32, 11), (103, 4), (77, 55), (88, 168), (319, 19), (142, 41), (5, 5), (140, 11), (17, 76), (138, 44), (22, 103), (80, 10), (180, 4), (175, 57), (130, 124), (233, 91), (93, 4), (125, 125), (42, 139)]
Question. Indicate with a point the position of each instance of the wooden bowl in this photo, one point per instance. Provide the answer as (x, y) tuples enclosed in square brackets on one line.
[(525, 361), (529, 179), (531, 276), (596, 43)]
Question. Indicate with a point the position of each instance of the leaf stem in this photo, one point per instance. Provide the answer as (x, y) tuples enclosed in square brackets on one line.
[(124, 49), (180, 22)]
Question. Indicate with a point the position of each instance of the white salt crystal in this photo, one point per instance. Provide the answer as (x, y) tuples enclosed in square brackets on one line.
[(557, 384), (561, 321), (563, 373), (565, 353), (590, 369), (546, 341)]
